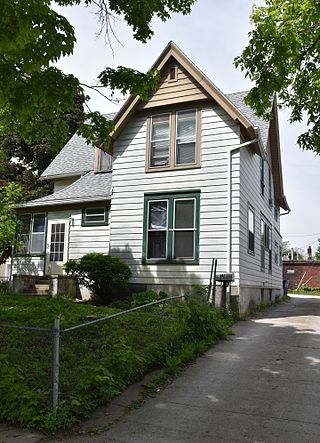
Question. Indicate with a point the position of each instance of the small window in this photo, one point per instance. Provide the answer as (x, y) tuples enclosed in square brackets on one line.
[(103, 161), (160, 140), (251, 223), (172, 228), (31, 234), (94, 216), (173, 73), (276, 212)]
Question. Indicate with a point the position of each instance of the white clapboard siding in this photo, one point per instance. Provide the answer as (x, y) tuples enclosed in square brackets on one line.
[(250, 265), (131, 182), (84, 239)]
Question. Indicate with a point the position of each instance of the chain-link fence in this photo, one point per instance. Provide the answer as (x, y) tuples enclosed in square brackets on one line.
[(124, 343)]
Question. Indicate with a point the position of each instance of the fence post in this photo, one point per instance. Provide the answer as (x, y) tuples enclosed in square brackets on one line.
[(55, 364)]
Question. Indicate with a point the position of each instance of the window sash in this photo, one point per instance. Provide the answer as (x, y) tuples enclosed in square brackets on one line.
[(33, 238), (163, 230), (176, 230), (95, 215), (185, 140), (160, 143)]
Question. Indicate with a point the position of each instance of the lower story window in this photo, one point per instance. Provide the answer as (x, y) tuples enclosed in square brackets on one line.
[(31, 234), (171, 228)]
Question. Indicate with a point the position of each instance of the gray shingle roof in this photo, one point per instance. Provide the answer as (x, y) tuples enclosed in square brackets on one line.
[(90, 187), (75, 158), (237, 98)]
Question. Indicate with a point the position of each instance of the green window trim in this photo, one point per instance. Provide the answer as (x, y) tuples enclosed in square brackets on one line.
[(85, 223), (171, 197)]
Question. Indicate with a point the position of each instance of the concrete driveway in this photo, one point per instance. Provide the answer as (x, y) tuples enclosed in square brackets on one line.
[(261, 386)]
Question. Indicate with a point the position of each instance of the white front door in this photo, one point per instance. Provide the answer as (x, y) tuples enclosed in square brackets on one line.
[(57, 246)]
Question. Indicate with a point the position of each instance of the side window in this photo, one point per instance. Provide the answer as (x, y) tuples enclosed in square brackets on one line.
[(262, 184), (171, 228), (251, 230), (276, 253), (103, 161), (94, 216)]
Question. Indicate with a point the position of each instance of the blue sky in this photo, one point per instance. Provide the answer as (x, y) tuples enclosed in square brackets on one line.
[(211, 36)]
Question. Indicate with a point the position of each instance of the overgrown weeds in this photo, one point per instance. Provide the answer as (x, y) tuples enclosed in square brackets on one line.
[(96, 362)]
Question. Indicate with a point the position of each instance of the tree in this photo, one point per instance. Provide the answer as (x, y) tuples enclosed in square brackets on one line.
[(24, 162), (283, 56), (9, 195), (317, 252), (34, 93)]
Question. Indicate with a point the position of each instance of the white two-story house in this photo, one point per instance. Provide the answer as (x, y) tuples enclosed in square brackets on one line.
[(193, 175)]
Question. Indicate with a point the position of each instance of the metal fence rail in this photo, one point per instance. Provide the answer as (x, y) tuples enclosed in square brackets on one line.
[(57, 333)]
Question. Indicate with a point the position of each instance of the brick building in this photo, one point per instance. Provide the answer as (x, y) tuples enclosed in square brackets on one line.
[(302, 272)]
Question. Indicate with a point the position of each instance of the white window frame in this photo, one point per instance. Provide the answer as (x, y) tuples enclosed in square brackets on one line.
[(156, 230), (184, 229)]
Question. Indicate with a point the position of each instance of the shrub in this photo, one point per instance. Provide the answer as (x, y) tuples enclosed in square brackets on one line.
[(106, 276), (5, 288)]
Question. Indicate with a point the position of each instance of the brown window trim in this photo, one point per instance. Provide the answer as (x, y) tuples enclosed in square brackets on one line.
[(173, 121)]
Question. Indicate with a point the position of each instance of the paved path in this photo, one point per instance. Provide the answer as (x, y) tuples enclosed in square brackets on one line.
[(261, 386)]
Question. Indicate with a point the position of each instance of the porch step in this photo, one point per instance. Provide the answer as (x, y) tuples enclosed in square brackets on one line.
[(41, 288)]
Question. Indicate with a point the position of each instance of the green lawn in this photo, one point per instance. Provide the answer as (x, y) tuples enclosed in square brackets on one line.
[(96, 362)]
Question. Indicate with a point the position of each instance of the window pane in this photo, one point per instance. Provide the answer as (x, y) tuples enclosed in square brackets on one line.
[(160, 127), (157, 241), (105, 161), (251, 241), (186, 153), (94, 215), (37, 243), (250, 220), (158, 215), (160, 153), (39, 222), (24, 224), (186, 125), (184, 214), (183, 244)]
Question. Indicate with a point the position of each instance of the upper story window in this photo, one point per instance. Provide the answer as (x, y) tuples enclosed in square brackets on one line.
[(262, 184), (276, 212), (270, 187), (103, 161), (173, 140), (31, 235), (251, 230)]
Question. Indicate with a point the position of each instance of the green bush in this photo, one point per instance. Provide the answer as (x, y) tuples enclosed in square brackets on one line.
[(106, 276), (5, 288), (139, 299)]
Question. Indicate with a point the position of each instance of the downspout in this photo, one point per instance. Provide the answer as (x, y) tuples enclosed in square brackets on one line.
[(286, 213), (242, 145)]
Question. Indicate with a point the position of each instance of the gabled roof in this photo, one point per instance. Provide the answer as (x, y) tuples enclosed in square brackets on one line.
[(75, 158), (172, 51), (89, 188)]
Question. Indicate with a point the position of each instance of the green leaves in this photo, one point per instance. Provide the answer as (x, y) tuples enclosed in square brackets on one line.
[(283, 56), (33, 93), (128, 80)]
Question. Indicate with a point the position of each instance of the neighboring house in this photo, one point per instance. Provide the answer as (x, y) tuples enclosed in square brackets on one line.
[(195, 176)]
